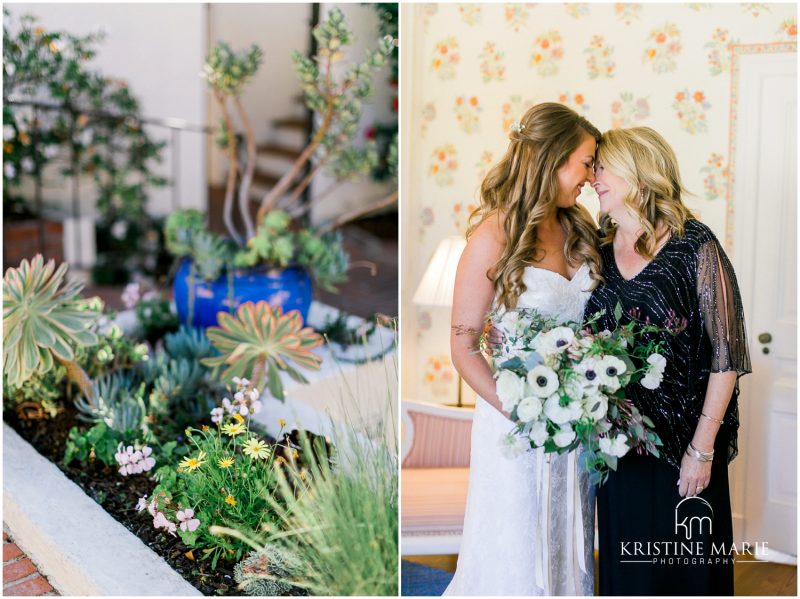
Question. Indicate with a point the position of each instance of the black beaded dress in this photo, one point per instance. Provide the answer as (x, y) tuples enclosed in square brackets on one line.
[(650, 541)]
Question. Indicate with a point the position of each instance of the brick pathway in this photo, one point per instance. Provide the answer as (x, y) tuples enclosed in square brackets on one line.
[(20, 576)]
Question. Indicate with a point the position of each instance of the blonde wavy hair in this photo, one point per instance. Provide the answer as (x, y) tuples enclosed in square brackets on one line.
[(649, 166), (524, 188)]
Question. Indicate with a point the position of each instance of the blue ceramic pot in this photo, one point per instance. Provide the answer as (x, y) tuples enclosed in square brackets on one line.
[(287, 287)]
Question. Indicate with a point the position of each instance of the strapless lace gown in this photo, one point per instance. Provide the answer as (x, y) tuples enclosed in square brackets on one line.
[(529, 522)]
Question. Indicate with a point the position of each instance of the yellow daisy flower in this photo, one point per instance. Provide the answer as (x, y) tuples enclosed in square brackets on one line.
[(226, 462), (230, 500), (281, 422), (191, 463), (205, 428), (238, 417), (256, 449), (232, 429)]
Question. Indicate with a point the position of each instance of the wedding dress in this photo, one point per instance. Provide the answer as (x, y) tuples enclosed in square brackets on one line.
[(529, 521)]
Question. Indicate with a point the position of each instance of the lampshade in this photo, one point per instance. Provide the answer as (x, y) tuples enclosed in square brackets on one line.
[(436, 287)]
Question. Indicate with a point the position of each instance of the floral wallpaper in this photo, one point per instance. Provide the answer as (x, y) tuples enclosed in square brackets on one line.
[(478, 67)]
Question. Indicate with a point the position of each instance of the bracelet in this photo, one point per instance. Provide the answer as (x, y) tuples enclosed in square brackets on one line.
[(712, 419), (700, 456)]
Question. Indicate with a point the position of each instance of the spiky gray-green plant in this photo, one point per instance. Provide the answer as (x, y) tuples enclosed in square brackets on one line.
[(267, 572), (114, 403), (44, 320), (188, 343)]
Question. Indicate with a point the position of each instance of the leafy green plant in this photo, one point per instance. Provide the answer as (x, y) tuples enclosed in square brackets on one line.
[(338, 331), (99, 442), (180, 228), (45, 390), (261, 340), (44, 320), (226, 478), (181, 393), (61, 112), (113, 352), (267, 572), (156, 317)]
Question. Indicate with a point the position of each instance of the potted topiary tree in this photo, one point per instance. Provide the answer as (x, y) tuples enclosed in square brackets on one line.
[(272, 259)]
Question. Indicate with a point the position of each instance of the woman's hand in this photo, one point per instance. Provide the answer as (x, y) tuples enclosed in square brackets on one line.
[(695, 476)]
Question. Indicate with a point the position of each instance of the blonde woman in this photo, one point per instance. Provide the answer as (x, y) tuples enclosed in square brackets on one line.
[(666, 268), (529, 523)]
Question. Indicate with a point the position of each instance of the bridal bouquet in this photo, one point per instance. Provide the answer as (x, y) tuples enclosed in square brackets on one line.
[(563, 384)]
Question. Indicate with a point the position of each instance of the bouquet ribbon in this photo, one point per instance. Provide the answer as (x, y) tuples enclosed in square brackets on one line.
[(574, 519)]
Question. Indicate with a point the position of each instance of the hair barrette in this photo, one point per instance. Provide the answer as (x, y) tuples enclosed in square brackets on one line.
[(517, 126)]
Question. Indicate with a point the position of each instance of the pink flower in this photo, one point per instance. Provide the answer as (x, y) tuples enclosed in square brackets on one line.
[(186, 520), (142, 503), (216, 415), (160, 521)]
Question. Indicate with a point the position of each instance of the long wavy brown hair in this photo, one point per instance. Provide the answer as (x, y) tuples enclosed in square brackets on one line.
[(523, 188), (649, 166)]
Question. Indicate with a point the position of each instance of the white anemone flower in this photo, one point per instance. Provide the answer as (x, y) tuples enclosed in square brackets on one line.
[(595, 406), (542, 380), (512, 446), (554, 342), (589, 369)]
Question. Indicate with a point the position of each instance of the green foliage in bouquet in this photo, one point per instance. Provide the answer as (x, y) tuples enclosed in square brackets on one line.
[(44, 321), (261, 340)]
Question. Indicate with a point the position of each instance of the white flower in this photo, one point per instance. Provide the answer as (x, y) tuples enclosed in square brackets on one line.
[(187, 520), (574, 388), (553, 342), (529, 409), (51, 151), (131, 295), (538, 433), (589, 369), (141, 504), (9, 171), (595, 406), (564, 436), (27, 164), (119, 229), (8, 132), (216, 415), (256, 406), (655, 372), (616, 447), (559, 414), (512, 446), (542, 380), (510, 389)]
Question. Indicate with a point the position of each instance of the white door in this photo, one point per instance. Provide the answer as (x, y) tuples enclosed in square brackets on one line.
[(765, 252)]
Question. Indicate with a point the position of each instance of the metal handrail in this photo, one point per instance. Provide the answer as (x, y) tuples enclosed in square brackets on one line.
[(175, 125)]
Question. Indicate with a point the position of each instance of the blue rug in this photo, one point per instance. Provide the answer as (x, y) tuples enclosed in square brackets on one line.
[(417, 580)]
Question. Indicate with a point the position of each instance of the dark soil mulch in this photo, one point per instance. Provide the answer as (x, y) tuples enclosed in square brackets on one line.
[(118, 496)]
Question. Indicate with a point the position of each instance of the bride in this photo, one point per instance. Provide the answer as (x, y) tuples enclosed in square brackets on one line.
[(529, 524)]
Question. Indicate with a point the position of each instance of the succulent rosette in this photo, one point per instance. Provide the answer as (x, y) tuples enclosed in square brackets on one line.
[(564, 386)]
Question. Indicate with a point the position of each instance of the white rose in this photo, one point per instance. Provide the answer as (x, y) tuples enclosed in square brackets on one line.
[(542, 380), (538, 433), (614, 447), (510, 389), (564, 436), (529, 409)]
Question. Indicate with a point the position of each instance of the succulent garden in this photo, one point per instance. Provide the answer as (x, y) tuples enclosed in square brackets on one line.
[(160, 413)]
